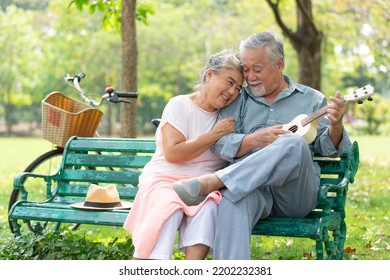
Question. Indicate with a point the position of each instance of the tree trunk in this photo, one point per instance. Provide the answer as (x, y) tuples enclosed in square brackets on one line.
[(129, 68), (306, 40)]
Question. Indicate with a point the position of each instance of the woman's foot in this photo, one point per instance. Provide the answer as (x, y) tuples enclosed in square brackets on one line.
[(188, 191), (194, 191)]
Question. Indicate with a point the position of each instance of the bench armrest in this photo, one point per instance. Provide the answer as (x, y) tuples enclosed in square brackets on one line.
[(352, 163), (21, 178), (324, 189)]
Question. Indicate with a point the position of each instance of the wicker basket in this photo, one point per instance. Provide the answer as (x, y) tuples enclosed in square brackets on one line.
[(64, 117)]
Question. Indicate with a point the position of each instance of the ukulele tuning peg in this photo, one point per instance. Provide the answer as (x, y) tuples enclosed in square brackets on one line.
[(360, 102), (370, 98)]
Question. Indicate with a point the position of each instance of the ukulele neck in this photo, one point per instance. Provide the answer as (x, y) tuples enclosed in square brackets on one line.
[(317, 114)]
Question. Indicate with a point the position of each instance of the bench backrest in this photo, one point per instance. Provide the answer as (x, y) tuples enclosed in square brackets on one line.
[(92, 160)]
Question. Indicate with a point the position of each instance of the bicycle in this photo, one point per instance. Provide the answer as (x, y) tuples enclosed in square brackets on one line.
[(62, 118)]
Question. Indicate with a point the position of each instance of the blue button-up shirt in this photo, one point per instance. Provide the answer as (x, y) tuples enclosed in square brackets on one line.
[(252, 113)]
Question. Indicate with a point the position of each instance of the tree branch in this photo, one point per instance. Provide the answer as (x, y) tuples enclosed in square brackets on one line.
[(275, 9), (307, 17)]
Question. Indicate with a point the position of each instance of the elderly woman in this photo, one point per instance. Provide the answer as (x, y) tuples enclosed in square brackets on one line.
[(187, 130)]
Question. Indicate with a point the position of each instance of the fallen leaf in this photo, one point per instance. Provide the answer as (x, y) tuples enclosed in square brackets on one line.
[(349, 250)]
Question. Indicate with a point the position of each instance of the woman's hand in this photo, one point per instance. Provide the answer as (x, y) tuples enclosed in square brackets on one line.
[(178, 149), (223, 127)]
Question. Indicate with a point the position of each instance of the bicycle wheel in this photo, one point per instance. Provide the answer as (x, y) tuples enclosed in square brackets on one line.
[(47, 163)]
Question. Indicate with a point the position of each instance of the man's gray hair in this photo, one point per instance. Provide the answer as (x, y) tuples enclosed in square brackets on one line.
[(272, 44)]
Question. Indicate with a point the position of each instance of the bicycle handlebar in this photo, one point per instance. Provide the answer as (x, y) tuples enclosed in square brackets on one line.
[(127, 94), (110, 94)]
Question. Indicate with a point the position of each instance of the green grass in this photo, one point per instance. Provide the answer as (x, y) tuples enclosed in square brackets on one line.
[(368, 236)]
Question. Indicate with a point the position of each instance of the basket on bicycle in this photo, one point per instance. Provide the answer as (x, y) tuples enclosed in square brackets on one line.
[(64, 117)]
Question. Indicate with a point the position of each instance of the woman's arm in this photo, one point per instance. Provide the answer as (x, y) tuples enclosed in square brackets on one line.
[(177, 149)]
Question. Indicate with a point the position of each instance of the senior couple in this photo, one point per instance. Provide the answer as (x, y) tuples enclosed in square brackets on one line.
[(223, 160)]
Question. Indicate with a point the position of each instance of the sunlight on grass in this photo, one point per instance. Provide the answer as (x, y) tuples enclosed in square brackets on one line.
[(17, 153), (374, 149)]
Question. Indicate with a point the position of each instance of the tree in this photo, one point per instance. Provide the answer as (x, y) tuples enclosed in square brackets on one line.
[(129, 66), (124, 14), (306, 40)]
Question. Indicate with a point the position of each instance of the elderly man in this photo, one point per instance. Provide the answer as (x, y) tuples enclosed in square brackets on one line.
[(271, 172)]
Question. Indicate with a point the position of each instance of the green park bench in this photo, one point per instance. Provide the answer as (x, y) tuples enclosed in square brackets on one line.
[(120, 161)]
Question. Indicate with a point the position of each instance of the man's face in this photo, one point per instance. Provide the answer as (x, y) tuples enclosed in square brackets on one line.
[(261, 76)]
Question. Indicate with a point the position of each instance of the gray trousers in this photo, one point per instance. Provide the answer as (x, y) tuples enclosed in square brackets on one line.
[(279, 180)]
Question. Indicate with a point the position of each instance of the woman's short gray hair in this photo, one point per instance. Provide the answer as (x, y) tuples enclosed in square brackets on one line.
[(224, 60), (272, 44)]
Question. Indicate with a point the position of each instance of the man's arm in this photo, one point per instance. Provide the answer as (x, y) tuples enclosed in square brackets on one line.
[(332, 138), (260, 139)]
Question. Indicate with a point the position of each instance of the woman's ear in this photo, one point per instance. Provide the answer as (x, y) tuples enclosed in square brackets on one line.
[(209, 74)]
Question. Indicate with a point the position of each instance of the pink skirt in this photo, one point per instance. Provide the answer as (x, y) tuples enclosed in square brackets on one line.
[(155, 202)]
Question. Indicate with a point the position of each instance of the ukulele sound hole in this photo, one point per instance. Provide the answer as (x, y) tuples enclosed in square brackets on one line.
[(293, 129)]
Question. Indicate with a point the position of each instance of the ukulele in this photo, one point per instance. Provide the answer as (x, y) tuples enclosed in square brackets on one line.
[(306, 126)]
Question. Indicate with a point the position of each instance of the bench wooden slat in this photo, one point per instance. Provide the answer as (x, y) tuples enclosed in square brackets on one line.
[(103, 160), (294, 227), (76, 190), (113, 145), (103, 176), (66, 214)]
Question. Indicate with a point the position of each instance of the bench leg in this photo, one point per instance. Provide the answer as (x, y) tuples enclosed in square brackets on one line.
[(57, 228), (319, 249), (16, 228), (36, 228), (335, 247), (339, 240), (321, 240)]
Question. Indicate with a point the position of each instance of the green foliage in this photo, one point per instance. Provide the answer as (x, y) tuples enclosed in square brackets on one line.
[(370, 118), (112, 11), (355, 59), (55, 38), (64, 246), (142, 12)]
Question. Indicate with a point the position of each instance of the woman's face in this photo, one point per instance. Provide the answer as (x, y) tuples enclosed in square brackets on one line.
[(223, 88)]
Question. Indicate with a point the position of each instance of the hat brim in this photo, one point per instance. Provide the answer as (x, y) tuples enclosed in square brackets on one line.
[(80, 205)]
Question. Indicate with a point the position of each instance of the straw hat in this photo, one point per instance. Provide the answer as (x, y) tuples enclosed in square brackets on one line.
[(102, 198)]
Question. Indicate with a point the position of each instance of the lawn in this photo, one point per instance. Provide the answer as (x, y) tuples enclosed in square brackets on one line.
[(368, 236)]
